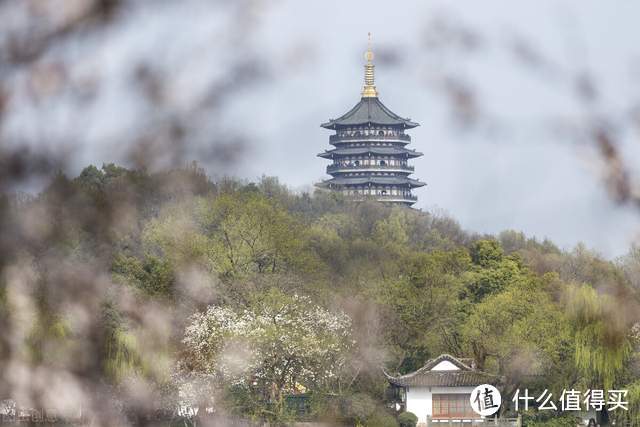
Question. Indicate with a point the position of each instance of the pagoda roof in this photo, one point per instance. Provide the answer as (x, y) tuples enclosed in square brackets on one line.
[(370, 149), (383, 180), (427, 376), (369, 111)]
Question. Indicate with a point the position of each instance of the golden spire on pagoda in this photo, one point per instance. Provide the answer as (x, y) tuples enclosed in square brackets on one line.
[(369, 88)]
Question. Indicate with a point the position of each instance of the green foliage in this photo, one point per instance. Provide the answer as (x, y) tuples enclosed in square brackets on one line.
[(122, 358), (413, 283), (492, 272), (518, 332), (487, 253), (422, 315), (550, 419), (48, 333), (407, 419), (393, 230), (381, 418), (631, 417), (152, 275), (120, 355), (601, 336), (359, 407)]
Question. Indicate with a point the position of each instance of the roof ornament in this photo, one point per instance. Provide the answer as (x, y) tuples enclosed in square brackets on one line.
[(369, 88)]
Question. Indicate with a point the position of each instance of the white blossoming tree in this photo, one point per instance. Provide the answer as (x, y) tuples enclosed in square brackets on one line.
[(280, 344)]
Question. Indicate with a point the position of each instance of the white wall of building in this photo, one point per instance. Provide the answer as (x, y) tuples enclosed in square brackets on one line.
[(419, 398)]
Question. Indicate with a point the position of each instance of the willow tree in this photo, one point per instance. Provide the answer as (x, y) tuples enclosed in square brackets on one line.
[(602, 336), (602, 333)]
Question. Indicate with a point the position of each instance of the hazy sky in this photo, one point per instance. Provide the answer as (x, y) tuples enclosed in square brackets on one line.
[(512, 168), (509, 172)]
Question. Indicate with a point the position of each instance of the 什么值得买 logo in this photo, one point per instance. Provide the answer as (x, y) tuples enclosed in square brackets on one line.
[(485, 400)]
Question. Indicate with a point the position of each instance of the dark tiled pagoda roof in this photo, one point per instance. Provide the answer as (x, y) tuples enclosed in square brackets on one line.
[(370, 149), (386, 180), (426, 377), (369, 110)]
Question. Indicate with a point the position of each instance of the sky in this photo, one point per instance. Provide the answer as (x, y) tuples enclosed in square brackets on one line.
[(508, 174), (511, 165)]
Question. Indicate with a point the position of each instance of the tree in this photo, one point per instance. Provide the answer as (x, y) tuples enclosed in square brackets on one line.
[(493, 271), (424, 310), (520, 334), (487, 253), (249, 233), (280, 344), (603, 338)]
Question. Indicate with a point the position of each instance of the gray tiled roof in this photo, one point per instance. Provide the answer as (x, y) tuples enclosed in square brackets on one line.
[(425, 377), (370, 110), (370, 149)]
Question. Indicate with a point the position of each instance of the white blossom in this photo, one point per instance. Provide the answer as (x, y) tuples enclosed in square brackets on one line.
[(286, 342)]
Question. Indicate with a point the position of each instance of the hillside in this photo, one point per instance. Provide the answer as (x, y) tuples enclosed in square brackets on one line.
[(163, 288)]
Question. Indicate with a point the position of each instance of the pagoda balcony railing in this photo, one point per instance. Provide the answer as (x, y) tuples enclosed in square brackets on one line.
[(352, 167), (385, 197), (397, 196), (345, 138)]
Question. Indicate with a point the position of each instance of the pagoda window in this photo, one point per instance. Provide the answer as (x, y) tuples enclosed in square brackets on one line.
[(382, 163)]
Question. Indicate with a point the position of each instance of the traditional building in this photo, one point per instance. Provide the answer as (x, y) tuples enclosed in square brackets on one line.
[(440, 391), (371, 158)]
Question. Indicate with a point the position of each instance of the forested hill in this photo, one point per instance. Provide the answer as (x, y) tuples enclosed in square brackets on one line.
[(237, 295)]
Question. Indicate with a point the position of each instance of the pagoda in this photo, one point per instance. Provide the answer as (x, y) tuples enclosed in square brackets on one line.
[(370, 158)]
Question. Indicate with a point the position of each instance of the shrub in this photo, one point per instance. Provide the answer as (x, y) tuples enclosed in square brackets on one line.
[(381, 419), (408, 419), (550, 420)]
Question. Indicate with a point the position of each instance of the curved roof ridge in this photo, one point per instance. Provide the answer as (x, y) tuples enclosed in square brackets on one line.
[(388, 111), (445, 356), (426, 376), (431, 363), (369, 110)]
